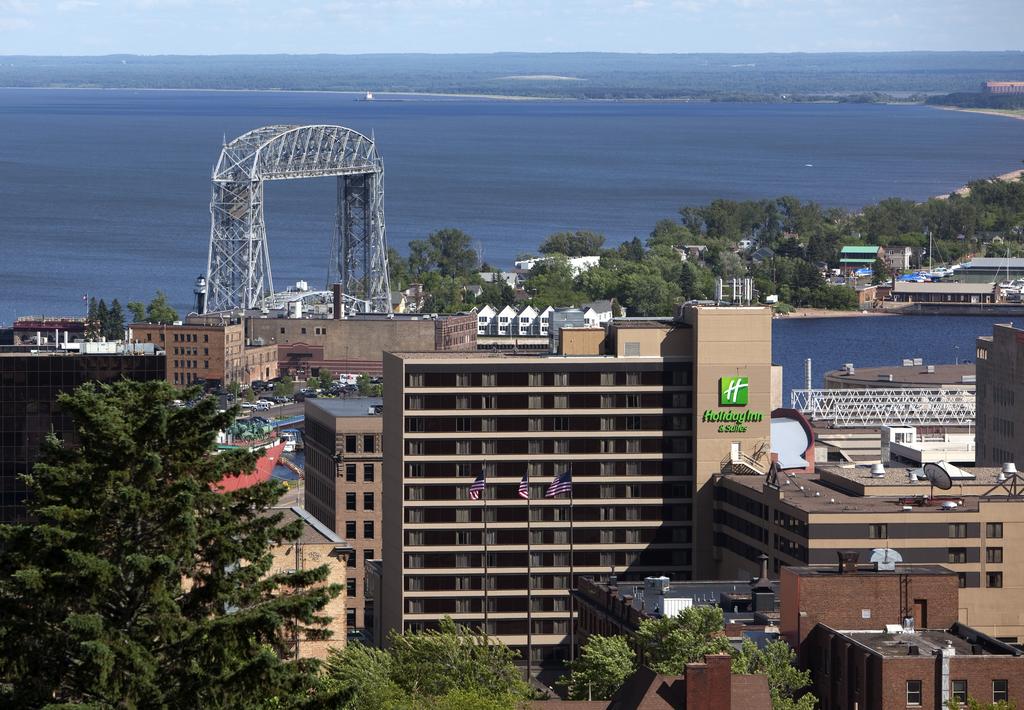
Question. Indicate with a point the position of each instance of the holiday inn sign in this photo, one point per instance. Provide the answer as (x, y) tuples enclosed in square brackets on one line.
[(732, 392)]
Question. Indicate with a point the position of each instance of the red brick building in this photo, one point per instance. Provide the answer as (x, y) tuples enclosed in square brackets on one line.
[(876, 638)]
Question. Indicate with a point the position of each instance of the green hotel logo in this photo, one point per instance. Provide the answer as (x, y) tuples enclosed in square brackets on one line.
[(732, 391)]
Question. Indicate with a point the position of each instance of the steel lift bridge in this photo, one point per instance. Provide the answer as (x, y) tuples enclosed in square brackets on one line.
[(238, 265), (897, 406)]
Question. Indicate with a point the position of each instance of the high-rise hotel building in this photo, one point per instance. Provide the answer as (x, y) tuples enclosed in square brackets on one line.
[(642, 413)]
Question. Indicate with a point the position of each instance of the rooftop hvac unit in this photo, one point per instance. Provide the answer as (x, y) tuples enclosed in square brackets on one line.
[(907, 362), (931, 369), (657, 585), (918, 361)]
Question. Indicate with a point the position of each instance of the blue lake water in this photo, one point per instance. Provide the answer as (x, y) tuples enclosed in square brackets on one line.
[(872, 342), (107, 192)]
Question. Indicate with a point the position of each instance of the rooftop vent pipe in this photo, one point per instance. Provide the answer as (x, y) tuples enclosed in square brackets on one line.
[(877, 470)]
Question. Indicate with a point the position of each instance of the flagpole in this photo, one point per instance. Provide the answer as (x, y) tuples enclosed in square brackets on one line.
[(487, 625), (529, 582), (572, 568)]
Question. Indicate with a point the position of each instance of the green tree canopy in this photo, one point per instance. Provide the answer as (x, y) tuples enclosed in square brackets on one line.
[(138, 585), (668, 643), (159, 310), (448, 251), (777, 661), (573, 244), (436, 668), (604, 664)]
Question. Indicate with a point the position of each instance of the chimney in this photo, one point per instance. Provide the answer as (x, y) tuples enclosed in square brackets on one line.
[(709, 684), (339, 301), (761, 593), (847, 561)]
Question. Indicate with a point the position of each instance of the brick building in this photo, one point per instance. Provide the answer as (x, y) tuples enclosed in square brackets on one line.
[(317, 545), (971, 529), (889, 638), (357, 344), (343, 485), (214, 353)]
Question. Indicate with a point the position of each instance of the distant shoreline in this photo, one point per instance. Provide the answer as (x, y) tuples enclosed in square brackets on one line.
[(816, 313)]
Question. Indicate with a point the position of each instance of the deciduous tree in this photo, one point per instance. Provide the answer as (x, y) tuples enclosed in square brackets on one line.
[(604, 664)]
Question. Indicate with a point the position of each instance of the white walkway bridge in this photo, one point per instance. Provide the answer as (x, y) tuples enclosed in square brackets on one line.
[(886, 406)]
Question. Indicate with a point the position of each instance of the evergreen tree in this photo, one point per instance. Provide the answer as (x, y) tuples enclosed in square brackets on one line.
[(138, 311), (93, 327), (140, 586), (102, 319), (114, 329), (159, 310)]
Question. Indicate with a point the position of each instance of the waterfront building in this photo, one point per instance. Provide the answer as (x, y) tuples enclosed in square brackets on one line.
[(47, 330), (1003, 87), (29, 385), (215, 353), (989, 269), (909, 374), (898, 258), (859, 257), (1000, 374), (343, 461), (944, 292), (317, 545), (796, 520), (640, 420), (355, 344)]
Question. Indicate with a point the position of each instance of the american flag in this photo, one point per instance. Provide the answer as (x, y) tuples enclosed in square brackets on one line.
[(561, 484), (524, 487), (477, 489)]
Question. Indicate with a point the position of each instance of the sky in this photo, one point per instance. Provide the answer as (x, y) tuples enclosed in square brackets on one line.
[(89, 27)]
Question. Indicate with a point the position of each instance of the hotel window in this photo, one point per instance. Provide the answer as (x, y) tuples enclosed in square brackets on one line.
[(607, 536), (350, 587), (633, 491), (962, 579), (415, 606), (607, 423), (368, 473), (561, 379), (633, 423), (463, 560), (913, 692), (462, 379), (993, 529), (958, 529), (368, 529), (488, 424), (463, 424), (414, 401), (632, 468), (488, 447), (994, 555), (463, 448), (608, 379), (415, 537), (561, 401), (607, 468), (632, 400), (413, 379), (488, 379), (462, 515), (414, 493), (560, 423), (463, 583), (607, 446), (534, 446), (369, 444), (607, 513), (415, 470), (607, 401), (994, 580), (956, 555), (561, 446), (350, 472), (415, 448), (415, 584), (462, 402), (633, 378), (1000, 690), (350, 500), (632, 446), (536, 379), (960, 691), (632, 512), (350, 529), (368, 501), (535, 401), (607, 490), (534, 424), (488, 401)]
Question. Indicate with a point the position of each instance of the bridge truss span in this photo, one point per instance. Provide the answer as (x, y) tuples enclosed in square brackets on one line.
[(895, 406), (238, 262)]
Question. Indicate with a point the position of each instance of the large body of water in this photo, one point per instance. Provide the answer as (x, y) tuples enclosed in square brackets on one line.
[(872, 342), (107, 192)]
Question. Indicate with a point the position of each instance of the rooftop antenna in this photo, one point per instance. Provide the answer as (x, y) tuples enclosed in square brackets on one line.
[(937, 476)]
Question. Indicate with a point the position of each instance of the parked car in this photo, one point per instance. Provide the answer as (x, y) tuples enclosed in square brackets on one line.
[(263, 405), (248, 406)]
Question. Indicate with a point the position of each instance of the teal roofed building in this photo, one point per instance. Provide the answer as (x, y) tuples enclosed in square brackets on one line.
[(858, 256)]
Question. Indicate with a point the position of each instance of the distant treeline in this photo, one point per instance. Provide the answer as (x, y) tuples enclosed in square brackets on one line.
[(855, 76), (978, 100)]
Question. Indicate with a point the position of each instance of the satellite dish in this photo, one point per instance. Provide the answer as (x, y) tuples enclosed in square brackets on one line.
[(938, 476), (885, 558)]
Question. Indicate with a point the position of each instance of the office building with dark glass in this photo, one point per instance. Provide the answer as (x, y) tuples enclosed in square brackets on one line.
[(29, 385)]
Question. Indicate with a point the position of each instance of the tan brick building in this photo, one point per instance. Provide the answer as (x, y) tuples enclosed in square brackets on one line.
[(803, 519), (343, 485), (641, 419), (317, 546), (210, 353)]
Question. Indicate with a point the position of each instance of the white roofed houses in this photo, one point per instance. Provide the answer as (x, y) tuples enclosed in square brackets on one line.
[(597, 312), (508, 321), (578, 264)]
